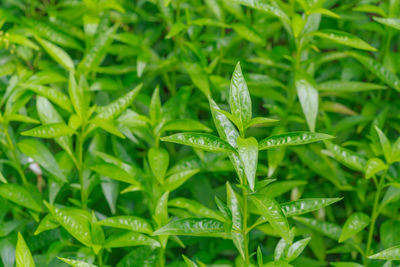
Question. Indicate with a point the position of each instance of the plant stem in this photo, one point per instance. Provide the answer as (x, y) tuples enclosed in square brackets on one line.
[(374, 216), (161, 257), (244, 230)]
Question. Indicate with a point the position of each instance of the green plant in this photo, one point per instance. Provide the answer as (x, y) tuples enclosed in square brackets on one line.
[(125, 139)]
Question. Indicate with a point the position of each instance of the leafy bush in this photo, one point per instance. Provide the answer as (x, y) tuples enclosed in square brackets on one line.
[(132, 136)]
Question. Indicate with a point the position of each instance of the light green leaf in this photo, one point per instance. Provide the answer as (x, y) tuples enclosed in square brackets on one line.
[(57, 53), (195, 208), (308, 97), (271, 8), (47, 223), (177, 179), (260, 121), (353, 225), (185, 125), (385, 144), (77, 263), (23, 254), (302, 206), (40, 154), (248, 154), (348, 86), (203, 141), (292, 139), (274, 214), (248, 33), (199, 77), (158, 161), (193, 227), (155, 107), (347, 157), (237, 221), (132, 223), (379, 70), (116, 107), (344, 38), (22, 118), (297, 248), (20, 196), (328, 229), (130, 239), (391, 254), (76, 94), (391, 22), (54, 95), (239, 98), (51, 130), (108, 126), (188, 262), (374, 165), (278, 188), (75, 221), (114, 172), (346, 264)]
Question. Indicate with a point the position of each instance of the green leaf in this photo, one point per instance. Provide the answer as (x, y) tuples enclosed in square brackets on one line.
[(159, 161), (185, 125), (193, 227), (248, 33), (41, 155), (188, 262), (306, 205), (248, 154), (348, 86), (271, 8), (374, 165), (346, 157), (22, 118), (47, 223), (77, 263), (203, 141), (344, 38), (346, 264), (237, 221), (379, 70), (20, 196), (195, 208), (274, 214), (52, 130), (96, 53), (108, 126), (385, 144), (353, 225), (396, 151), (391, 254), (54, 95), (132, 223), (57, 53), (75, 221), (23, 254), (114, 172), (308, 97), (198, 77), (292, 139), (140, 257), (260, 121), (278, 188), (115, 108), (328, 229), (155, 107), (177, 179), (239, 98), (130, 239), (76, 94), (391, 22), (297, 248)]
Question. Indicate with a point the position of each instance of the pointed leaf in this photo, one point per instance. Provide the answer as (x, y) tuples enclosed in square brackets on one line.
[(297, 248), (391, 22), (344, 38), (308, 97), (390, 254), (328, 229), (248, 154), (20, 196), (346, 157), (195, 208), (52, 130), (159, 161), (23, 254), (132, 223), (57, 53), (353, 225), (76, 263), (374, 165), (237, 221), (306, 205), (177, 179), (292, 139), (130, 239), (54, 95)]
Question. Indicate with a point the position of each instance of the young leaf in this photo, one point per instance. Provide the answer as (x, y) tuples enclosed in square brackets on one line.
[(353, 225), (390, 254), (41, 155), (385, 144), (260, 121), (273, 212), (58, 54), (203, 141), (303, 206), (248, 154), (177, 179), (76, 263), (129, 239), (20, 196), (132, 223), (23, 254), (195, 208), (159, 161), (297, 248), (374, 165), (76, 94), (344, 38), (193, 227), (308, 97), (52, 130), (155, 107), (292, 139), (239, 98)]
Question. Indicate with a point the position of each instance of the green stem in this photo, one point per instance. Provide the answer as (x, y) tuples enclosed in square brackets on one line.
[(374, 216), (244, 230), (161, 257)]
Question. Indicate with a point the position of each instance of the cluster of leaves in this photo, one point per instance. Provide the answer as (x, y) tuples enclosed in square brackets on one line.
[(130, 136)]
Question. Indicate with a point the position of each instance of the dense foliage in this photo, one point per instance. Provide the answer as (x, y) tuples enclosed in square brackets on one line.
[(199, 133)]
